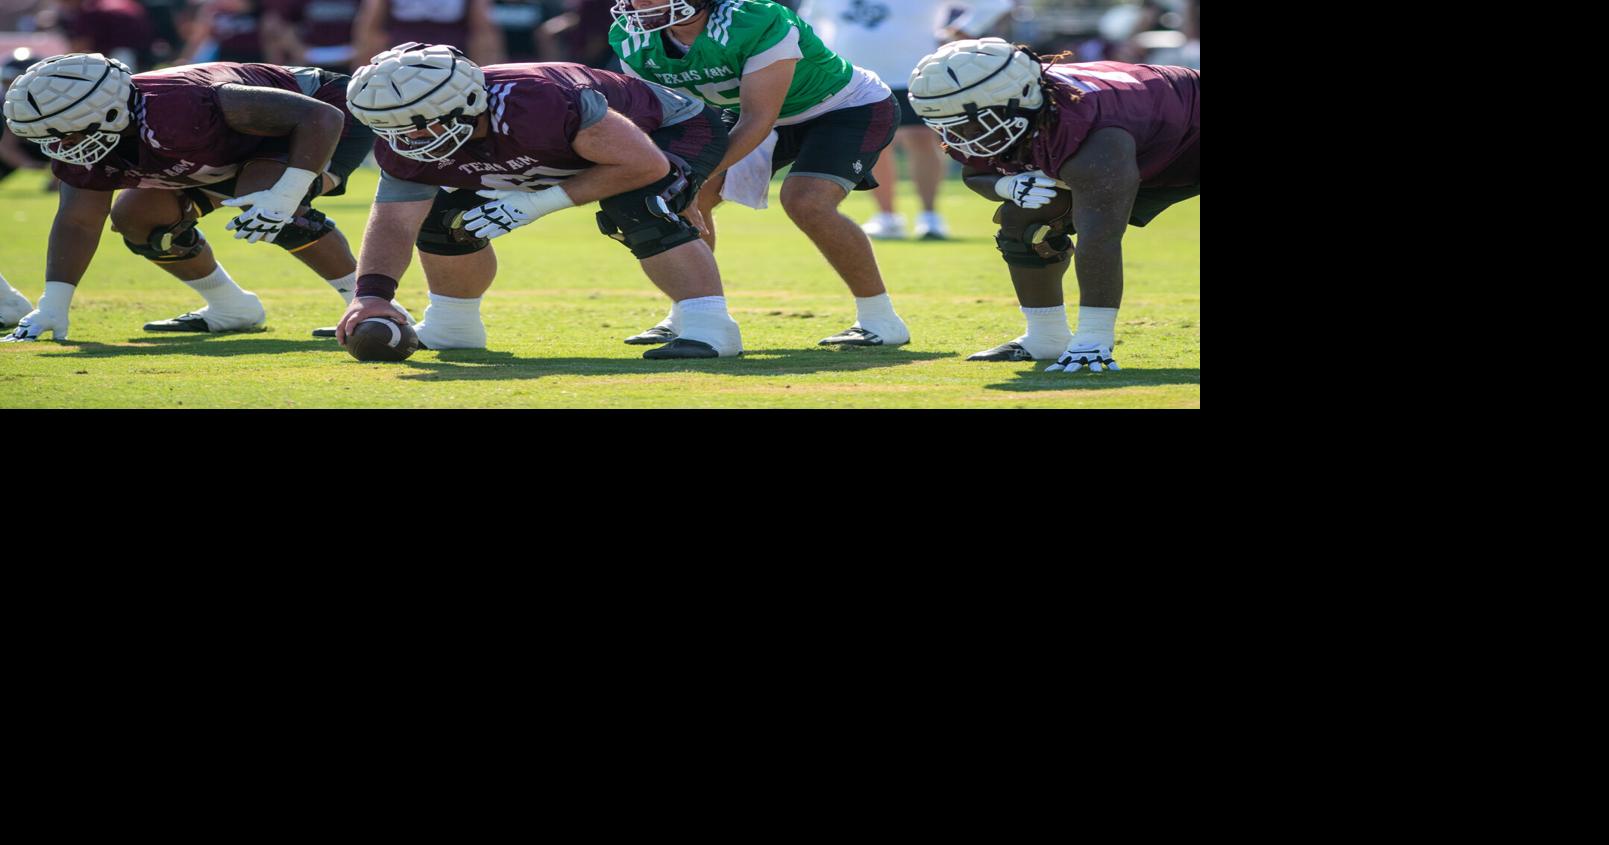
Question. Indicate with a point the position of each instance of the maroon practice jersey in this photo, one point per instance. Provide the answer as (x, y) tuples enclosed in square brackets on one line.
[(182, 138), (1159, 105), (535, 111)]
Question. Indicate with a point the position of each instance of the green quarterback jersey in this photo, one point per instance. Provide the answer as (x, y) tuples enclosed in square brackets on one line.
[(735, 32)]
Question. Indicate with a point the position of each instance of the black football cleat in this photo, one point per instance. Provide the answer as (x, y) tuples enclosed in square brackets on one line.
[(653, 337), (329, 332), (1009, 351), (191, 322), (683, 348), (852, 336)]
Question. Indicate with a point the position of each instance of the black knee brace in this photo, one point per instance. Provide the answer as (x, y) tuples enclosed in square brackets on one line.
[(443, 232), (647, 219), (168, 244), (304, 230), (1028, 242)]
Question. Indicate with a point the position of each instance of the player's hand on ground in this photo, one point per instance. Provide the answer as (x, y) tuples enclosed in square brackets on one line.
[(363, 308), (1080, 355), (37, 322), (1033, 189), (507, 211)]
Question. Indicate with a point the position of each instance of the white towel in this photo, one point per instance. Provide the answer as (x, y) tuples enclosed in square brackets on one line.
[(749, 181)]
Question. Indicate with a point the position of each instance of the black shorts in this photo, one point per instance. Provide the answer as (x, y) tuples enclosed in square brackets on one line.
[(700, 141), (907, 115), (1150, 202), (840, 146)]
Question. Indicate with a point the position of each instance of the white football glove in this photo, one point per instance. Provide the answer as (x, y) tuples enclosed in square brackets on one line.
[(1082, 354), (509, 210), (268, 211), (38, 322), (1033, 189)]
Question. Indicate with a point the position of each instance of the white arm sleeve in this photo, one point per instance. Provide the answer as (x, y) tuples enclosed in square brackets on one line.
[(787, 48)]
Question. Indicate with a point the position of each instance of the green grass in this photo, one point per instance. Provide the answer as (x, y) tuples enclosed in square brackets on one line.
[(566, 296)]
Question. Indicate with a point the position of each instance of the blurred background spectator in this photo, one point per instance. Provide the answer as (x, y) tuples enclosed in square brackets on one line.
[(465, 24), (221, 31), (15, 153), (580, 33), (310, 33), (120, 29)]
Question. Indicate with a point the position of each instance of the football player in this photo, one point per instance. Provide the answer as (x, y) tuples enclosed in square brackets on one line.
[(766, 69), (1084, 149), (468, 155), (179, 143)]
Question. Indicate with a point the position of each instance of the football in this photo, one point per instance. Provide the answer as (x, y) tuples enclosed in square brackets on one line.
[(380, 339)]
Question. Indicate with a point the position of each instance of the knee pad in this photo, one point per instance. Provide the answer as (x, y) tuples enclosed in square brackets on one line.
[(168, 244), (304, 230), (443, 233), (647, 234), (647, 219), (1028, 242)]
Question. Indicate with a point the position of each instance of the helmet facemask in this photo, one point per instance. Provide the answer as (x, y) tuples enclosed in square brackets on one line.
[(644, 21), (447, 134), (992, 134), (93, 146)]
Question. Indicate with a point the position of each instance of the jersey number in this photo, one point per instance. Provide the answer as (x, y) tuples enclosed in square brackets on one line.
[(711, 92)]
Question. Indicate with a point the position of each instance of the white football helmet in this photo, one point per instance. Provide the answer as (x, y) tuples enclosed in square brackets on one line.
[(414, 87), (655, 18), (78, 94), (978, 94)]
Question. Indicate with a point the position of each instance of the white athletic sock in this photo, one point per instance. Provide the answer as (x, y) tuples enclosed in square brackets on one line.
[(5, 287), (877, 309), (346, 286), (1047, 335), (452, 323), (706, 319), (221, 292), (453, 311), (876, 314), (1097, 325), (673, 320)]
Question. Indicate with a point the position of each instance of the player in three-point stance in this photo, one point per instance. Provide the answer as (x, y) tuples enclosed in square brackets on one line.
[(1087, 149), (178, 143), (470, 154)]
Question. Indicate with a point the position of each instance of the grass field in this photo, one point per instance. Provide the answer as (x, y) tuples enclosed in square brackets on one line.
[(564, 298)]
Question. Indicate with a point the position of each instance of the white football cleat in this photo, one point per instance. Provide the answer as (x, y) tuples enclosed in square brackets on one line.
[(246, 315), (930, 227), (886, 227), (884, 333)]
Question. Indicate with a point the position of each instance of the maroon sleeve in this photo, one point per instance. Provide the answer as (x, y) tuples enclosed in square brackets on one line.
[(94, 178)]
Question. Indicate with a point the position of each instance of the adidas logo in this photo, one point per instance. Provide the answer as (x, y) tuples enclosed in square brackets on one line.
[(653, 64)]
